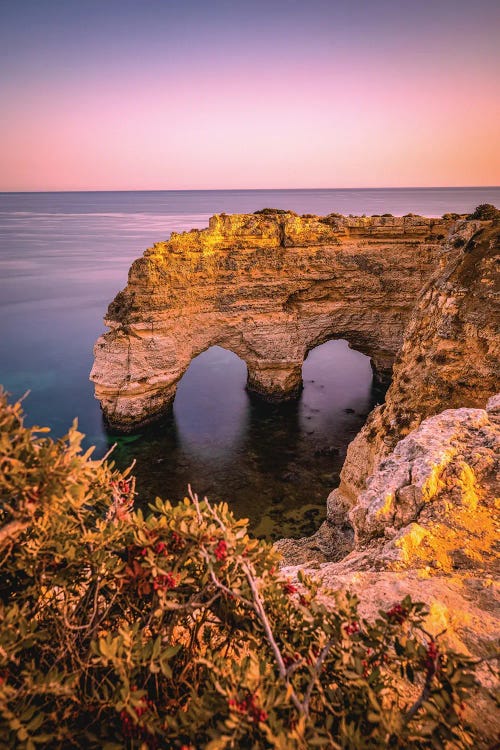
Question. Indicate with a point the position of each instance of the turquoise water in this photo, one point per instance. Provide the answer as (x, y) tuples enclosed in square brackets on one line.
[(64, 256)]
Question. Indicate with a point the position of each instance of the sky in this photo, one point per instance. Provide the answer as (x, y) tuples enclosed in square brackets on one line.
[(219, 94)]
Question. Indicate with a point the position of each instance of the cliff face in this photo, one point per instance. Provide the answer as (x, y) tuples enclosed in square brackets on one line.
[(269, 288), (432, 505), (449, 358), (427, 525)]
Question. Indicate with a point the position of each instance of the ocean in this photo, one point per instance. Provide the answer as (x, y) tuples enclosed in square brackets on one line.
[(64, 256)]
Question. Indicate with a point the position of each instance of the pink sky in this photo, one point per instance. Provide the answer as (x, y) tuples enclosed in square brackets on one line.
[(396, 113)]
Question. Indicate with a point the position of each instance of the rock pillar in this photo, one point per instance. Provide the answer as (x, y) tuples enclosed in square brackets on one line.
[(276, 380)]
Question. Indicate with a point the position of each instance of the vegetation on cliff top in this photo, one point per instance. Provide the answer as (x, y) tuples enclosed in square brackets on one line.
[(273, 212), (176, 629), (485, 212)]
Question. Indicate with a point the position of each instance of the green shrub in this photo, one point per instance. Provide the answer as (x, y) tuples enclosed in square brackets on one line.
[(330, 219), (176, 630), (485, 212), (274, 211)]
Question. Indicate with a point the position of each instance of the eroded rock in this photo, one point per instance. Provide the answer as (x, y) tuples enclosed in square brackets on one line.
[(428, 525), (433, 503), (449, 357), (269, 287)]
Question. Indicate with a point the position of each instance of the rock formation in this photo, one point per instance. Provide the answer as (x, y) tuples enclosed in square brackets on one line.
[(269, 287), (427, 525), (449, 358)]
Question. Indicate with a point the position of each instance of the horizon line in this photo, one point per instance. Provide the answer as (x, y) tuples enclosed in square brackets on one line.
[(246, 190)]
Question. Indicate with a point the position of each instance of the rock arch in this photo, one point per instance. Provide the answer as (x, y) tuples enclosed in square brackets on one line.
[(269, 288)]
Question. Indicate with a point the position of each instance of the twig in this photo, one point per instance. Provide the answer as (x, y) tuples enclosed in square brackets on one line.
[(261, 613), (317, 667), (421, 698), (107, 455), (228, 591), (12, 530), (196, 503)]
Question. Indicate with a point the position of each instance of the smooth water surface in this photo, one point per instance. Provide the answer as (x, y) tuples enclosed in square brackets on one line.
[(274, 463), (64, 256)]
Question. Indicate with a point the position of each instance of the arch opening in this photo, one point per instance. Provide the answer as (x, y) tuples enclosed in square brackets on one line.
[(338, 393), (210, 404), (381, 361), (274, 463)]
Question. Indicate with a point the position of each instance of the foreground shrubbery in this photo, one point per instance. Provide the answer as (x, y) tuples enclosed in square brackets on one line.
[(176, 630)]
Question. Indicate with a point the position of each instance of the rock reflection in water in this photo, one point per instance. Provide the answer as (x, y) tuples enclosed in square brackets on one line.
[(273, 463)]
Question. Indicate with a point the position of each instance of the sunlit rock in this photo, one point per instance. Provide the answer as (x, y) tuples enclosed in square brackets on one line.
[(449, 358), (269, 287), (427, 526)]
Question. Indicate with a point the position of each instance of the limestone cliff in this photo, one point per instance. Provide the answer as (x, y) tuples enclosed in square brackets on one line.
[(449, 358), (269, 287), (417, 511)]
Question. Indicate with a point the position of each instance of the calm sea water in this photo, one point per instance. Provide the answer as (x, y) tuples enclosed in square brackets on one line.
[(63, 257)]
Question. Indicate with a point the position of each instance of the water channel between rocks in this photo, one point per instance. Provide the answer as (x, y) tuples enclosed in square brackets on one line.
[(274, 464)]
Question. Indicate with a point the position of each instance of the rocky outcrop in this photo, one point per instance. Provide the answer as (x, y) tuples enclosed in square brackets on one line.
[(417, 511), (427, 525), (433, 502), (436, 491), (449, 358), (269, 287)]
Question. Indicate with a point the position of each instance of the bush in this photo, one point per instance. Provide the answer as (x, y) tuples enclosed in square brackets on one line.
[(331, 219), (176, 629), (273, 211), (485, 212)]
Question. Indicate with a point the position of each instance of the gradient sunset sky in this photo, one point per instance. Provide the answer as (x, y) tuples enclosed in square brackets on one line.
[(191, 94)]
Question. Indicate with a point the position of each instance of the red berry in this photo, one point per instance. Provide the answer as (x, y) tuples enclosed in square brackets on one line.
[(432, 658), (398, 613), (220, 550), (352, 627), (163, 583)]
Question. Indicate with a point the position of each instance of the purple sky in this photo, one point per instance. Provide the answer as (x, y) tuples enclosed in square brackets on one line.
[(159, 94)]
